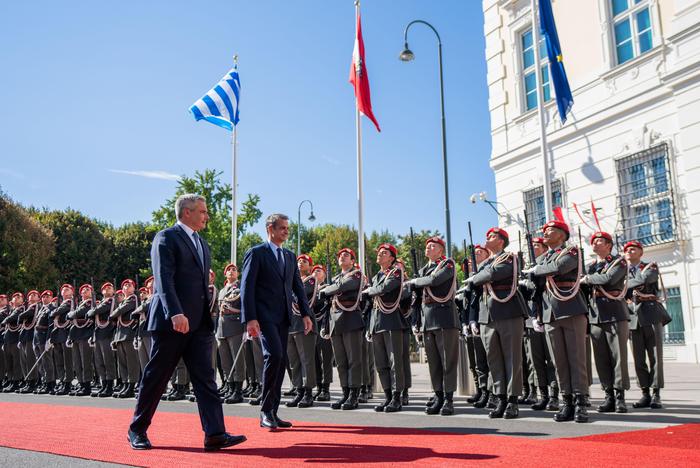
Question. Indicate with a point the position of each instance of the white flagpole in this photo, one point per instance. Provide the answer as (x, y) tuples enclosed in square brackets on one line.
[(547, 189), (360, 194), (234, 188)]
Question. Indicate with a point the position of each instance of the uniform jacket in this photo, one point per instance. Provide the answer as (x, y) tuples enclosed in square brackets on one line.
[(644, 279), (79, 317), (43, 325), (12, 320), (101, 314), (345, 288), (610, 275), (297, 324), (386, 286), (439, 277), (500, 276), (126, 327), (229, 323), (26, 318), (60, 323)]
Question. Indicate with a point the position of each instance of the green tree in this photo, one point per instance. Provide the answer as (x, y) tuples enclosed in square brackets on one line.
[(331, 238), (218, 231), (130, 250), (26, 258)]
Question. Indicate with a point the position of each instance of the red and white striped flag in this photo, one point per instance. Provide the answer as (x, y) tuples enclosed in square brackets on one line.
[(358, 76)]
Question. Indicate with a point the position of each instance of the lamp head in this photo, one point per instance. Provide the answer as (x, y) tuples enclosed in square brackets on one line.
[(406, 55), (482, 196), (473, 198), (312, 218)]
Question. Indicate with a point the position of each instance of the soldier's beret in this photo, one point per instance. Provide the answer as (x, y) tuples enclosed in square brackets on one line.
[(502, 233), (33, 291), (119, 291), (128, 281), (347, 250), (306, 257), (436, 240), (557, 224), (601, 235), (480, 247), (211, 272), (149, 279), (143, 290), (18, 294), (3, 296), (47, 292), (538, 240), (633, 243), (388, 247), (106, 285), (230, 266), (85, 286), (318, 267), (67, 285)]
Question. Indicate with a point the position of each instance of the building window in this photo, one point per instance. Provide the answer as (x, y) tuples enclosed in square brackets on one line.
[(674, 332), (527, 45), (646, 199), (534, 204), (632, 28)]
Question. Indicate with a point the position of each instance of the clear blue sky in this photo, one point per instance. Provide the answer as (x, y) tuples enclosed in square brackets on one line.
[(90, 89)]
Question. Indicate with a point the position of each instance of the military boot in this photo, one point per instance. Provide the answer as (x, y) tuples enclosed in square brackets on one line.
[(511, 411), (178, 394), (325, 394), (437, 403), (566, 412), (645, 401), (620, 405), (483, 400), (63, 389), (476, 397), (107, 389), (404, 397), (492, 402), (236, 396), (128, 391), (431, 400), (387, 399), (500, 407), (395, 403), (83, 389), (291, 392), (656, 400), (96, 390), (319, 389), (51, 388), (352, 402), (448, 408), (339, 403), (295, 401), (29, 387), (581, 411), (553, 404), (542, 402), (608, 405), (363, 398), (307, 400)]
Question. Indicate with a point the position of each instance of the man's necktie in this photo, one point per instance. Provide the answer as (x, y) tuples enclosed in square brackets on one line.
[(280, 261), (198, 244)]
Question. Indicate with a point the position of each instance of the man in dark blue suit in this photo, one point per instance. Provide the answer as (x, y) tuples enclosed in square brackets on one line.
[(181, 326), (270, 279)]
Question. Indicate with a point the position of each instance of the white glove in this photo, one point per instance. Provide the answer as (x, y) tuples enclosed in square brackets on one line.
[(537, 326), (465, 329), (475, 328), (527, 271)]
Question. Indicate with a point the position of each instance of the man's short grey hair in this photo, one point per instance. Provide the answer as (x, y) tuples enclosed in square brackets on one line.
[(187, 200), (273, 218)]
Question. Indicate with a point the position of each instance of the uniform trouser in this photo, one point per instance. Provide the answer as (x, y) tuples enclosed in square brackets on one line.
[(442, 350), (324, 361), (589, 359), (647, 343), (12, 362), (539, 357), (64, 362), (481, 364), (367, 364), (528, 377), (82, 360), (610, 350), (568, 339), (301, 351), (2, 363), (503, 340), (27, 359), (228, 349), (128, 361), (254, 360), (389, 360), (347, 348), (104, 360), (144, 351), (46, 365), (406, 350), (180, 375)]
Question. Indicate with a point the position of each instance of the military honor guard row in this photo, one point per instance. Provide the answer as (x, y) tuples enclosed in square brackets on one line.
[(531, 331)]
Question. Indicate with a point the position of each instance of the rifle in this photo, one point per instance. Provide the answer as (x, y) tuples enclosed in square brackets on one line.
[(528, 239), (328, 264), (580, 245), (414, 257), (472, 253), (521, 257), (137, 340), (536, 296)]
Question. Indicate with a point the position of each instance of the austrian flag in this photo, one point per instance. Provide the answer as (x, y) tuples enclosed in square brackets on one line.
[(359, 78)]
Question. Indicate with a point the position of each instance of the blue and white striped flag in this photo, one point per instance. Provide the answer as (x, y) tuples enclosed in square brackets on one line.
[(220, 105)]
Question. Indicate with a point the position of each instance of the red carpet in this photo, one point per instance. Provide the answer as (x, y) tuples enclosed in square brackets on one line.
[(100, 434)]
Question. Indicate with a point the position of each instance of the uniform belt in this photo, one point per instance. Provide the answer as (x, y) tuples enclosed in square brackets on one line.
[(41, 327), (614, 292), (647, 299), (231, 312), (429, 300), (347, 303), (565, 284), (502, 287)]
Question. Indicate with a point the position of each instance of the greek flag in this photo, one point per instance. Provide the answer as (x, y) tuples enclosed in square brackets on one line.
[(220, 105)]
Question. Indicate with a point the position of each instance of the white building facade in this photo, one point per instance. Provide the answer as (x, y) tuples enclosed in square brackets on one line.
[(631, 145)]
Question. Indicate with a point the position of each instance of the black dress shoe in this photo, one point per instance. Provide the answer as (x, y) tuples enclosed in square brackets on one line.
[(281, 423), (138, 441), (220, 441), (268, 420)]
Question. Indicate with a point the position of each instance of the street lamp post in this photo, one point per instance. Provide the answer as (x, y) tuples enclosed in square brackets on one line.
[(312, 218), (406, 56)]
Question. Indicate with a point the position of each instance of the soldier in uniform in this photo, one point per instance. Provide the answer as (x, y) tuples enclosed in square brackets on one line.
[(58, 336), (565, 317), (41, 338), (142, 341), (386, 327), (502, 319), (12, 352), (79, 334), (346, 327), (435, 287), (407, 322), (102, 338), (230, 335), (647, 320), (4, 313), (301, 348), (324, 348), (609, 320), (127, 357), (27, 359), (539, 356)]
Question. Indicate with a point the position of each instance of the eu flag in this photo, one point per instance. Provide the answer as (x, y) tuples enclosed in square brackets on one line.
[(556, 60)]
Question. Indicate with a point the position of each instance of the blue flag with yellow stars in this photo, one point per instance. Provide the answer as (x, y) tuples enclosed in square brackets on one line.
[(556, 60)]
